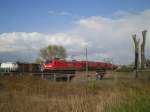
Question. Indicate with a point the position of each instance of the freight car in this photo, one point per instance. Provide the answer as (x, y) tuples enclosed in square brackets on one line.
[(19, 67), (28, 67), (8, 66)]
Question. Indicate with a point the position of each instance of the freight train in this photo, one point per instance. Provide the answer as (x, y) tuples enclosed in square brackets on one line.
[(57, 66), (56, 69)]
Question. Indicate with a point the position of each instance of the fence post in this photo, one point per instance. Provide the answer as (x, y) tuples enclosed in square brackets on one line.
[(68, 77), (54, 77), (42, 75)]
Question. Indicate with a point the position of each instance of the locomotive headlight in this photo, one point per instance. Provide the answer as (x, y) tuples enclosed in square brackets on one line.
[(49, 65)]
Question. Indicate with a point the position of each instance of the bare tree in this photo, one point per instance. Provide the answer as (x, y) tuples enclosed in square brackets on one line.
[(143, 49), (148, 63), (136, 43)]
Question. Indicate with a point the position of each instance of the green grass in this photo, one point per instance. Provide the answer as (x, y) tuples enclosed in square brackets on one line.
[(134, 103), (118, 93), (136, 93)]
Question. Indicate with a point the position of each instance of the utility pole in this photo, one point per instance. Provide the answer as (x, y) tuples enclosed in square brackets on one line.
[(86, 55), (85, 46)]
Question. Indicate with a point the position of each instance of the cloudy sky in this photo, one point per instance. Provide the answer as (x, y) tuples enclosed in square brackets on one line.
[(105, 27)]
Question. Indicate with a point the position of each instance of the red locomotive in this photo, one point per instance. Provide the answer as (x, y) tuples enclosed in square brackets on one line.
[(58, 66), (63, 66)]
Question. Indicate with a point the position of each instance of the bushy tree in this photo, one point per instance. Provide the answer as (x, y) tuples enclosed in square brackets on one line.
[(51, 52)]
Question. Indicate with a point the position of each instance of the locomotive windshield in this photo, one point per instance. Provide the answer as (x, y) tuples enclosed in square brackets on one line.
[(48, 61)]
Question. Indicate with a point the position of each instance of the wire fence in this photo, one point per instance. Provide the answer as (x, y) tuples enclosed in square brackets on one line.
[(50, 76)]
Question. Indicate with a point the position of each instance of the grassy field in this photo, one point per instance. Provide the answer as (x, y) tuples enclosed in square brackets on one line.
[(117, 93)]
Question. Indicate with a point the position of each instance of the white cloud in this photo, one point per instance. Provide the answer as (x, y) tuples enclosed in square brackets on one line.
[(34, 41), (106, 37), (64, 13), (51, 12), (61, 13), (113, 35)]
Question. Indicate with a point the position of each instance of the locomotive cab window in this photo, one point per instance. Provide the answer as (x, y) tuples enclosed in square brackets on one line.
[(48, 61)]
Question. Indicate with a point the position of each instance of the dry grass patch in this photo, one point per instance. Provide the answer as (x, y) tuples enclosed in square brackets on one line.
[(30, 94)]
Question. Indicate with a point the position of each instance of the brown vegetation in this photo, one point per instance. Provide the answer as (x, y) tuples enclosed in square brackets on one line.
[(32, 94)]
